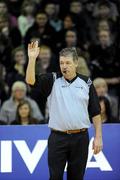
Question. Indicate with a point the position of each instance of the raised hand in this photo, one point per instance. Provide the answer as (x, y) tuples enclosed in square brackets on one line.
[(33, 50)]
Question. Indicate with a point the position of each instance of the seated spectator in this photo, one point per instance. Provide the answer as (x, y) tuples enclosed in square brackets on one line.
[(41, 28), (26, 19), (106, 116), (4, 88), (17, 72), (24, 114), (105, 9), (102, 90), (104, 59), (79, 18), (46, 61), (4, 10), (10, 33), (52, 11), (68, 24), (9, 107), (82, 67)]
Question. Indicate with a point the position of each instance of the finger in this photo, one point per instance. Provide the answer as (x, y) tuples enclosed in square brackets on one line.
[(36, 44), (29, 46), (32, 45), (97, 149)]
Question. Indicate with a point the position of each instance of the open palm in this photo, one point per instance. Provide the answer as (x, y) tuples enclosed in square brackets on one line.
[(33, 50)]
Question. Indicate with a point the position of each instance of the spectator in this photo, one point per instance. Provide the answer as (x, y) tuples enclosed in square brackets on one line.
[(52, 11), (10, 33), (105, 9), (104, 55), (17, 72), (42, 29), (67, 25), (24, 114), (79, 18), (106, 116), (4, 88), (46, 61), (4, 11), (102, 90), (82, 67), (8, 109), (26, 18)]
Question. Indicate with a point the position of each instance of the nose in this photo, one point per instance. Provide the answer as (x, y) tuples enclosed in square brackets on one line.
[(64, 66)]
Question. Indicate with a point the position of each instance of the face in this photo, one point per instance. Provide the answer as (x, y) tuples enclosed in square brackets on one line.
[(3, 8), (68, 66), (104, 38), (45, 56), (20, 57), (19, 94), (101, 90), (103, 25), (104, 11), (41, 19), (3, 23), (68, 23), (76, 7), (50, 9), (71, 38), (29, 8), (24, 111)]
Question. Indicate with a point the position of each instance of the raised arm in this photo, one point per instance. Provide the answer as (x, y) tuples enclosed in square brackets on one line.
[(33, 52)]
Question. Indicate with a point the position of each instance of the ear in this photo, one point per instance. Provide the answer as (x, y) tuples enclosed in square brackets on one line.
[(76, 64)]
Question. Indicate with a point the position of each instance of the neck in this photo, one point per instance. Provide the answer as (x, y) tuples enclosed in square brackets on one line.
[(24, 120), (103, 117), (70, 77)]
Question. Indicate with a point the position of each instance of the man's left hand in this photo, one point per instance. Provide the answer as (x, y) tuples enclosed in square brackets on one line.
[(97, 145)]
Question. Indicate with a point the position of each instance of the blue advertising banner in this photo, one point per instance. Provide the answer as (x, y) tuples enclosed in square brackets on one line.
[(23, 153)]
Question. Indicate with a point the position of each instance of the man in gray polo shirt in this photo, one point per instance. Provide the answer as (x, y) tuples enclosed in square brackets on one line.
[(72, 102)]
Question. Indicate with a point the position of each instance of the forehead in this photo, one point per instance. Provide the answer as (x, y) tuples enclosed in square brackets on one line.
[(66, 58), (41, 16), (19, 52), (24, 105)]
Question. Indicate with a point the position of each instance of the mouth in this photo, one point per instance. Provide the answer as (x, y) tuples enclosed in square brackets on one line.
[(64, 71)]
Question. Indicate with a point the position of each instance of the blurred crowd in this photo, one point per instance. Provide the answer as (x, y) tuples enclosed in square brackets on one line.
[(92, 26)]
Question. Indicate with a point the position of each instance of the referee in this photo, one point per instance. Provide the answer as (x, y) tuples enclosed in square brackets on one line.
[(72, 102)]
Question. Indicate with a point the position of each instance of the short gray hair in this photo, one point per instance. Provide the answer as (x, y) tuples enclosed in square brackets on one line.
[(69, 51), (19, 85)]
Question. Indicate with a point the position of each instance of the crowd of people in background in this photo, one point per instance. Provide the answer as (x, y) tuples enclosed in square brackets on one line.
[(91, 26)]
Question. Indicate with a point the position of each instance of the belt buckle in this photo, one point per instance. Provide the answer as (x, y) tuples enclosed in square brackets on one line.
[(68, 132)]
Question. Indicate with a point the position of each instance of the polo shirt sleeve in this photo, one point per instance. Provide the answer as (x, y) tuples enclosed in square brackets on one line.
[(44, 83), (93, 106)]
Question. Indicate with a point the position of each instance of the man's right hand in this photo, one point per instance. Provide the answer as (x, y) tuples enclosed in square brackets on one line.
[(33, 50)]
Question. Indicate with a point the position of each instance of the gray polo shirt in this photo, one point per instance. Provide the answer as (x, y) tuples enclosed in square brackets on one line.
[(71, 103)]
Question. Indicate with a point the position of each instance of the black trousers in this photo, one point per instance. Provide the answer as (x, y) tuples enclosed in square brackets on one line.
[(70, 148)]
